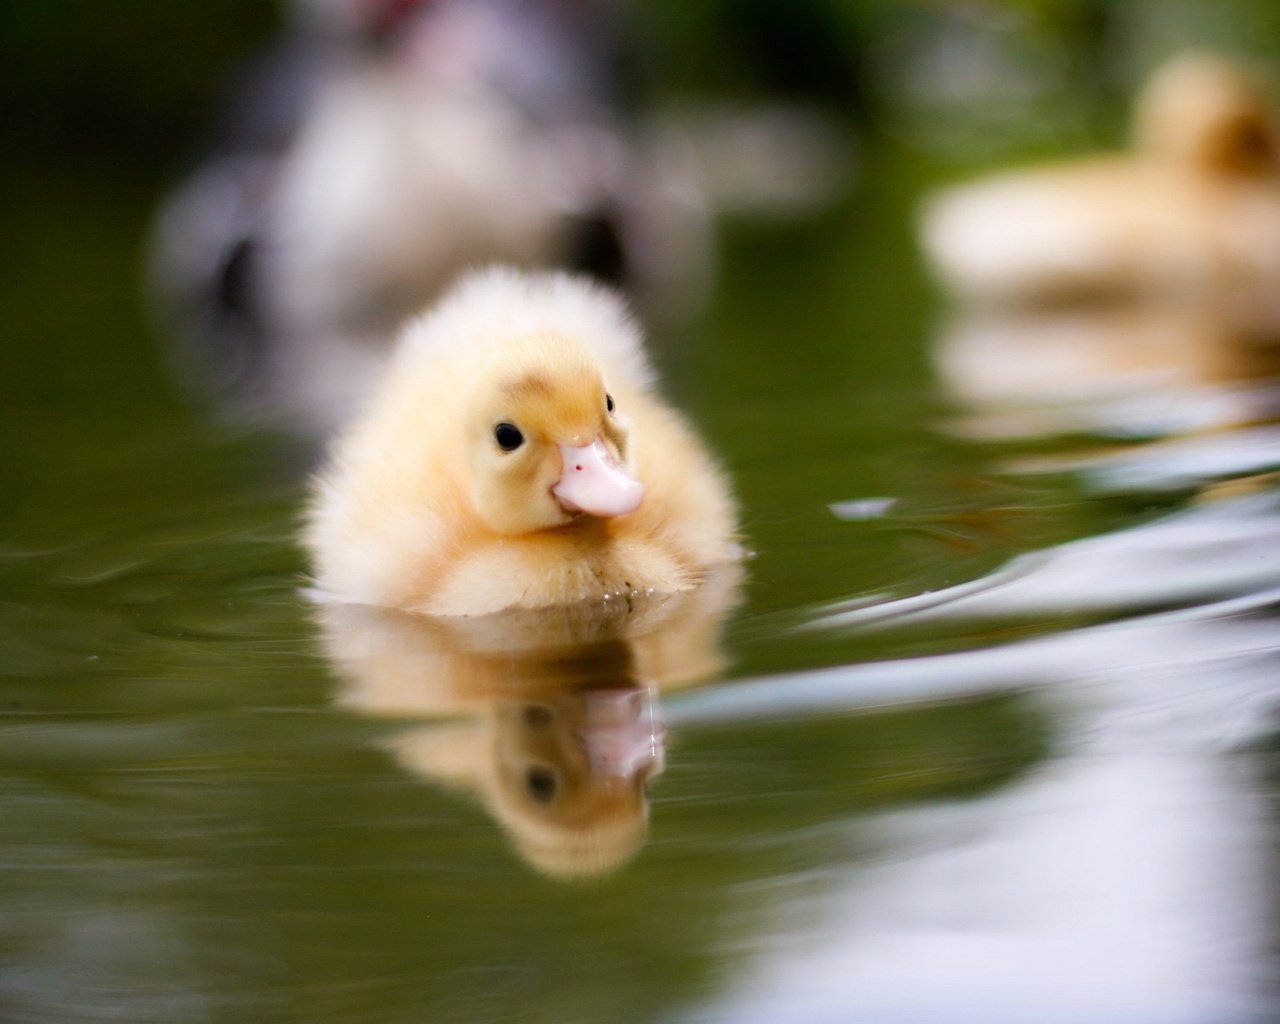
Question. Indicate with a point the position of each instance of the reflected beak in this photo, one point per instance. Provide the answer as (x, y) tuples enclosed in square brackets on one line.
[(591, 481), (622, 733)]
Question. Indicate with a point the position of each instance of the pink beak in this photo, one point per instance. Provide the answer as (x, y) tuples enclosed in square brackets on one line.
[(622, 733), (591, 481)]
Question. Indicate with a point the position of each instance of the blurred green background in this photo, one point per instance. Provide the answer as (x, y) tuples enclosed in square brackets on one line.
[(168, 738)]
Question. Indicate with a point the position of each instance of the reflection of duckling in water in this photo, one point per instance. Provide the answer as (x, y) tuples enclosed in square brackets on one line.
[(1023, 357), (565, 771), (516, 454), (1193, 209), (550, 718)]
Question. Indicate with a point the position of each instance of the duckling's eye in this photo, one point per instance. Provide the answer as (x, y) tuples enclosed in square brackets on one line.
[(508, 436), (608, 402), (541, 784)]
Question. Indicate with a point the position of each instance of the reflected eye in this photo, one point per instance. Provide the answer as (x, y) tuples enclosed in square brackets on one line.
[(541, 784), (608, 402), (537, 715), (508, 436)]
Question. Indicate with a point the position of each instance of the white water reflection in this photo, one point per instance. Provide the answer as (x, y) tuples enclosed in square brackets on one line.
[(1221, 548), (1187, 462), (1106, 888), (1126, 879)]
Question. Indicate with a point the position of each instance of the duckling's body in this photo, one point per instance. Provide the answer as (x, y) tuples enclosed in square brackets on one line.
[(1105, 228), (606, 491), (1194, 208)]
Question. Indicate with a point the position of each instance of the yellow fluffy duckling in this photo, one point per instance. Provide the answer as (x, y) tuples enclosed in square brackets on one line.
[(1194, 208), (516, 454)]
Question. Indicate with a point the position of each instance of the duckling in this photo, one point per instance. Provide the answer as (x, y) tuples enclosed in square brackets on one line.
[(516, 454), (1193, 208)]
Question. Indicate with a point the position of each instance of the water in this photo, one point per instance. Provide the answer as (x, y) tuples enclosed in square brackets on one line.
[(989, 733)]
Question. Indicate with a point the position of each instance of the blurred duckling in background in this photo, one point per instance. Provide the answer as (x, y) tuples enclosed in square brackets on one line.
[(547, 717), (387, 146), (516, 454), (1192, 210)]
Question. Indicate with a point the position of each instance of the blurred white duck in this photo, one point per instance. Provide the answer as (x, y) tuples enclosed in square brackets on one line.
[(516, 454), (1193, 209), (389, 145)]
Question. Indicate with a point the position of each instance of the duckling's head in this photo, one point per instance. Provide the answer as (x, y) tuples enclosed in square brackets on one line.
[(546, 441), (1209, 113), (569, 775)]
